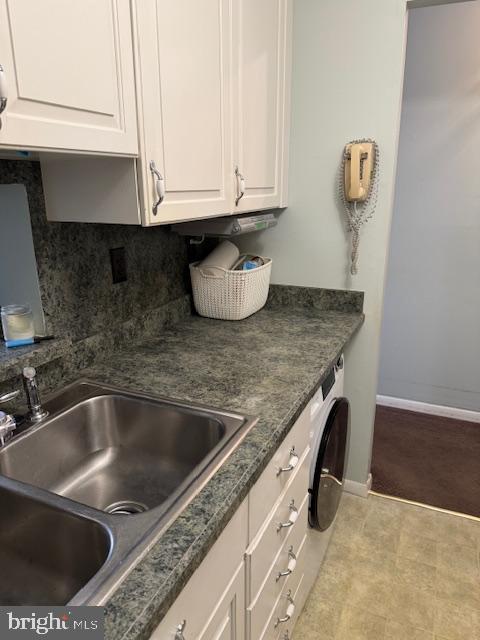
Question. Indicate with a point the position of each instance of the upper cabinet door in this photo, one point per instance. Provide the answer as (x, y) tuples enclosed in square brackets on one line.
[(183, 69), (261, 81), (68, 76)]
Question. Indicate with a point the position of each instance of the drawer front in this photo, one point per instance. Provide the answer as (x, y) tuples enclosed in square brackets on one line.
[(264, 601), (300, 597), (262, 552), (287, 628), (195, 603), (271, 483), (293, 587)]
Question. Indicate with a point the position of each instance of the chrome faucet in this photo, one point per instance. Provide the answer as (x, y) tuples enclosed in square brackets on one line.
[(7, 422), (37, 412)]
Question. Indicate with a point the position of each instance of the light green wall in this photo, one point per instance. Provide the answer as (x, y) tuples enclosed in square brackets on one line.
[(348, 61)]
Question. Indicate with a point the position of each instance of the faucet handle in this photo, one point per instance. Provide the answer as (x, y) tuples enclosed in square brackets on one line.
[(7, 427), (6, 397), (37, 412)]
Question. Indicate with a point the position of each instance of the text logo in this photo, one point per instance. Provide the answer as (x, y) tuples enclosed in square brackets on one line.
[(25, 623)]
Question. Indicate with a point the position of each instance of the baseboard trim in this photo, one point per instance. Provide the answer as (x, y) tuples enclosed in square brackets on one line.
[(432, 409), (425, 506), (358, 488)]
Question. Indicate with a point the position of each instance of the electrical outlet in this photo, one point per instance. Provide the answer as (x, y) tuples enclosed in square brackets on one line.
[(118, 261)]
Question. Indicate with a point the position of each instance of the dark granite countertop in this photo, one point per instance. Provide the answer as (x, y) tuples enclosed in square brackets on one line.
[(268, 365), (13, 359)]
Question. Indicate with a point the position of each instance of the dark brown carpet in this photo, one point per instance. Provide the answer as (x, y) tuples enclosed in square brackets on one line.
[(427, 459)]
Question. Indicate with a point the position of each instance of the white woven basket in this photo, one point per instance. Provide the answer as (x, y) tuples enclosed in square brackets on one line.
[(230, 295)]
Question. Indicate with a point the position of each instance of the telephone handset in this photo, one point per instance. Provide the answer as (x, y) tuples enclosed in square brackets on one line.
[(358, 186), (359, 162)]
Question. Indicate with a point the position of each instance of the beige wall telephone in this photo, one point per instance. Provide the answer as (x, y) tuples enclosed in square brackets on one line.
[(359, 162), (358, 186)]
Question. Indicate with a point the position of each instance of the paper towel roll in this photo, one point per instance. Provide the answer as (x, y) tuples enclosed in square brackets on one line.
[(225, 255)]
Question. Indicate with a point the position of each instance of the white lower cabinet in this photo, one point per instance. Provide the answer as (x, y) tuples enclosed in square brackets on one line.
[(227, 621), (289, 604), (275, 558), (264, 611), (285, 519), (278, 473), (251, 584), (212, 604)]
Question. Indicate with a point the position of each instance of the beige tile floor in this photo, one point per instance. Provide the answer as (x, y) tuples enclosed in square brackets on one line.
[(396, 571)]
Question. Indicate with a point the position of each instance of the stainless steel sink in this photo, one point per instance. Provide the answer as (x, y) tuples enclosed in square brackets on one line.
[(112, 450), (97, 480), (46, 554)]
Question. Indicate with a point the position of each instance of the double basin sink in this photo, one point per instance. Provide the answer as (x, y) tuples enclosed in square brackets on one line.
[(85, 491)]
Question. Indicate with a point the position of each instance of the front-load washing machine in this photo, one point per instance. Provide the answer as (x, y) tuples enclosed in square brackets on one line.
[(329, 438)]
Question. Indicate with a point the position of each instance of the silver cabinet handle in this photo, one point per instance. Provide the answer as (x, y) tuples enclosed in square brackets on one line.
[(292, 518), (180, 629), (240, 186), (292, 463), (3, 90), (159, 186), (289, 612), (292, 563)]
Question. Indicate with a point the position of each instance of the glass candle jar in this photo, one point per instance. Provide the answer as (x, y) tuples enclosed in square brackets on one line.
[(17, 324)]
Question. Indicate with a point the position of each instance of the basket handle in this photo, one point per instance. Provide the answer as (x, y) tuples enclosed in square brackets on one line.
[(211, 276)]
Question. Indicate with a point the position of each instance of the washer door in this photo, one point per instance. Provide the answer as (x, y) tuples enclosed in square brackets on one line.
[(329, 474)]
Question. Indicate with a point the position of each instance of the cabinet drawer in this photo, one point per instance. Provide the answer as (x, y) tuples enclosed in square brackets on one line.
[(292, 588), (285, 630), (264, 601), (271, 483), (200, 607), (270, 539)]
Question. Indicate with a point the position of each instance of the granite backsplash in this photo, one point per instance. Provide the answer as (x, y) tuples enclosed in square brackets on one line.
[(79, 299), (74, 269), (91, 316)]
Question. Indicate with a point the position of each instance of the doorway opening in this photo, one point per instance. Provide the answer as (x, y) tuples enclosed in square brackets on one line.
[(427, 429)]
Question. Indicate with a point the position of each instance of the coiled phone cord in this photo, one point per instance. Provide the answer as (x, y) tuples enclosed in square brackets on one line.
[(357, 215)]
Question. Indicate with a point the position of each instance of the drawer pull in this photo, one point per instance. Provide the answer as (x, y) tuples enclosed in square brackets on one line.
[(292, 463), (292, 563), (292, 518), (180, 629), (289, 612)]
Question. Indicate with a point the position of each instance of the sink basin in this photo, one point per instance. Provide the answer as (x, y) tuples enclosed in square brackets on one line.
[(46, 555), (113, 452), (87, 490)]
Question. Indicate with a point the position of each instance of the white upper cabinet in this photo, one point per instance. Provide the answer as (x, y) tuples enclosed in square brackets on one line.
[(215, 106), (183, 63), (261, 88), (212, 81), (68, 76)]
